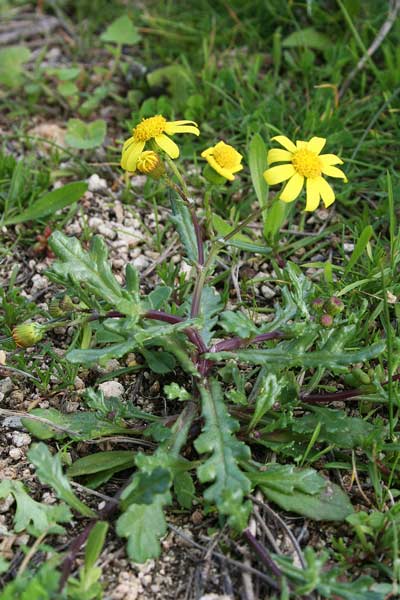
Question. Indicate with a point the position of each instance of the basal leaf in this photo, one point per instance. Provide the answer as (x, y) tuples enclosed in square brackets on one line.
[(78, 425), (84, 136), (49, 471), (360, 246), (146, 486), (143, 522), (50, 203), (267, 396), (95, 543), (307, 38), (184, 489), (42, 517), (278, 356), (121, 31), (90, 270), (211, 304), (258, 164), (238, 323), (337, 428), (229, 484), (12, 59), (102, 461), (304, 492), (96, 355), (287, 479), (144, 525), (159, 361), (183, 222)]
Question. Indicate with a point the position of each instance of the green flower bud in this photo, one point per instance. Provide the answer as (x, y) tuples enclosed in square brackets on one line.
[(55, 309), (28, 334), (318, 304), (361, 376), (334, 306), (66, 305)]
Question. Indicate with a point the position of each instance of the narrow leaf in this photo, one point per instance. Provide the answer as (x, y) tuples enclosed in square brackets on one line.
[(360, 246), (50, 203)]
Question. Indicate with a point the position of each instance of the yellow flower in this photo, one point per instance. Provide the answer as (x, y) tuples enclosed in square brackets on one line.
[(224, 159), (149, 163), (304, 162), (27, 334), (154, 128)]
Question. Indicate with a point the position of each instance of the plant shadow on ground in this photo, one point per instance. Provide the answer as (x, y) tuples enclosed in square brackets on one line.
[(318, 409)]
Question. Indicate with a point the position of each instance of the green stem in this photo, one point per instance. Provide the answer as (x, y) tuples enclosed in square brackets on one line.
[(179, 177), (201, 279)]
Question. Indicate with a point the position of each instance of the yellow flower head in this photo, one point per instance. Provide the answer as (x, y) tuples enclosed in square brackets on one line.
[(154, 128), (27, 334), (304, 161), (149, 163), (224, 159)]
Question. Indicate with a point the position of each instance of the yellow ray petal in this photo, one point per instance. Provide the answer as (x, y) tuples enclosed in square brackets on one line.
[(171, 128), (293, 188), (327, 193), (316, 144), (236, 169), (127, 143), (278, 155), (330, 159), (334, 172), (167, 145), (182, 122), (285, 142), (300, 144), (278, 174), (227, 173), (312, 194), (130, 156), (207, 152)]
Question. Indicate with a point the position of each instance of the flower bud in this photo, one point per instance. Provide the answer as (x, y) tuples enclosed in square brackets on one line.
[(150, 164), (318, 304), (27, 334), (55, 309), (66, 305), (362, 377), (334, 306), (326, 320)]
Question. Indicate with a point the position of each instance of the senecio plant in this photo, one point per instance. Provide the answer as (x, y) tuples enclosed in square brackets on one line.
[(221, 421)]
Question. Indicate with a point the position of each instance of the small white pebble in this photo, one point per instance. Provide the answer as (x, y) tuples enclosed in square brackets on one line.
[(267, 291), (96, 183), (112, 389), (15, 453), (21, 439)]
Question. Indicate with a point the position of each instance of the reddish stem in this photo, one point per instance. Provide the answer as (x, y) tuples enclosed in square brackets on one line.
[(237, 342), (345, 395)]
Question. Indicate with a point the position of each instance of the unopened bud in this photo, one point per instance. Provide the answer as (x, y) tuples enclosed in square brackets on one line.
[(55, 309), (334, 306), (27, 334), (361, 376), (326, 320), (318, 304), (66, 305), (150, 164)]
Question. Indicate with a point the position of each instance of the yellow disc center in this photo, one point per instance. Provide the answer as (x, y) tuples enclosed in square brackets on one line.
[(226, 156), (149, 128), (307, 163)]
